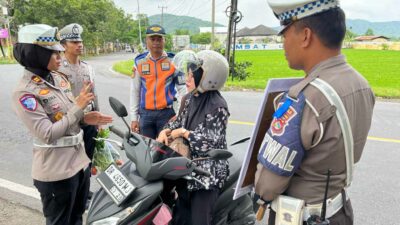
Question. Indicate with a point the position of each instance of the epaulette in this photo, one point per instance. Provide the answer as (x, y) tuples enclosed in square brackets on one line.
[(61, 74)]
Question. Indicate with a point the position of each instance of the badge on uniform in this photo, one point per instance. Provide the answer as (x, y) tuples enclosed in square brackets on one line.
[(63, 83), (165, 66), (278, 124), (37, 79), (58, 116), (145, 69), (282, 116), (28, 102), (55, 107), (44, 91)]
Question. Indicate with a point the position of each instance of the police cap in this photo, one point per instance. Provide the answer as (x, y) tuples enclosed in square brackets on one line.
[(71, 32), (289, 11), (42, 35)]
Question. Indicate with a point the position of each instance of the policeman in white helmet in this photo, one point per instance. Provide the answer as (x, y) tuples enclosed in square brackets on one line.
[(44, 103), (201, 123)]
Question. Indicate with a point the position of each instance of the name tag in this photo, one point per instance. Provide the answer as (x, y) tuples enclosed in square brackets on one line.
[(165, 66), (145, 69)]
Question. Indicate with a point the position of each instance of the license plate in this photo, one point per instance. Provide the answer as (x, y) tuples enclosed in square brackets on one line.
[(116, 184)]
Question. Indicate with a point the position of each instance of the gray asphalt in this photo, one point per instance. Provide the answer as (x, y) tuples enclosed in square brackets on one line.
[(374, 193)]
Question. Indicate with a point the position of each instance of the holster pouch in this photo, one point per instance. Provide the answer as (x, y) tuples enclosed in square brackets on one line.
[(289, 210)]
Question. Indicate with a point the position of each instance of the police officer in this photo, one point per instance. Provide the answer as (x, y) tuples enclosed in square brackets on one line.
[(320, 124), (155, 83), (43, 101), (78, 73)]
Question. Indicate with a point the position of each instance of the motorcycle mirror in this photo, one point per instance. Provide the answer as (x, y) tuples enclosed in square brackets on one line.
[(118, 107), (219, 154)]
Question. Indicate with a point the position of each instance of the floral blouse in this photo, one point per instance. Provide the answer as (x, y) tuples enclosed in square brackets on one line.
[(210, 134)]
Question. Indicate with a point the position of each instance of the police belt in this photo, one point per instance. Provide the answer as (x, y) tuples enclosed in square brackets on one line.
[(333, 205), (67, 141)]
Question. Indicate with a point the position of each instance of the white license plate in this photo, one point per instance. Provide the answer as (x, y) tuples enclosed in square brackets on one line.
[(120, 181)]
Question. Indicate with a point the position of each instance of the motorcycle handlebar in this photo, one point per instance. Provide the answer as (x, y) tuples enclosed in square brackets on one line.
[(116, 131), (202, 172)]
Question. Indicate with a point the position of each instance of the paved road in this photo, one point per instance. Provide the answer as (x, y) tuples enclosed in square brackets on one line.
[(374, 192)]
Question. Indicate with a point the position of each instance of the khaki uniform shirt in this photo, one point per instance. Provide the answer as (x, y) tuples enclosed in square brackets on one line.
[(77, 75), (50, 113), (321, 135)]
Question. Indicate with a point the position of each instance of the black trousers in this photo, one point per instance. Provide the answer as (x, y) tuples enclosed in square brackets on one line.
[(64, 201), (194, 208), (89, 132)]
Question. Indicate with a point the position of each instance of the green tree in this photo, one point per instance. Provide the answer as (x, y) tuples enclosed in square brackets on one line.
[(182, 32), (369, 32), (349, 35), (102, 21), (201, 38)]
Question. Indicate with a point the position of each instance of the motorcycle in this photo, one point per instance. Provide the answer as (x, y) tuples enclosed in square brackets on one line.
[(131, 194)]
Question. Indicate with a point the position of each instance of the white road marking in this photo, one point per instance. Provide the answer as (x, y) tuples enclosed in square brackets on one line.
[(21, 189)]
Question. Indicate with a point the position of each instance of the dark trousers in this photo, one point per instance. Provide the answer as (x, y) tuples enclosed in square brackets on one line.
[(64, 201), (89, 132), (151, 122), (194, 208)]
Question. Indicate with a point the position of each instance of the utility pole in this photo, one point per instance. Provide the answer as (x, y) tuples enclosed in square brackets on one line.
[(213, 25), (162, 13), (232, 14), (140, 29)]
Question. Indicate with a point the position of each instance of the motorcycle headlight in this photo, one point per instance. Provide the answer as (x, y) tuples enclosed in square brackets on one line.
[(118, 217)]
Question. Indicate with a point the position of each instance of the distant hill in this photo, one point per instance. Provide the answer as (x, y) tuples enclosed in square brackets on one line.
[(357, 26), (173, 22), (388, 29)]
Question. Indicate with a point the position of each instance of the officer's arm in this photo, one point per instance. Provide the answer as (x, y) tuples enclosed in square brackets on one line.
[(135, 95), (268, 184), (37, 121)]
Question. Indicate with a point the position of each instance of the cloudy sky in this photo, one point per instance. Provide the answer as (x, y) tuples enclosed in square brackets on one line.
[(257, 12)]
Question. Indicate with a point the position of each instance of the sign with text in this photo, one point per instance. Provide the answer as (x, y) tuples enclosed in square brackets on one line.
[(262, 46)]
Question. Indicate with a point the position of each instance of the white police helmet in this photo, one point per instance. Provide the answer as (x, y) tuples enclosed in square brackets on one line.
[(42, 35), (216, 70)]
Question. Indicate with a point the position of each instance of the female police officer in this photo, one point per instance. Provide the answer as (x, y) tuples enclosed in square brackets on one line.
[(44, 102)]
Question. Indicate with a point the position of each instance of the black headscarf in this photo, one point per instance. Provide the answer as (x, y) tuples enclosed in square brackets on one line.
[(202, 104), (34, 58)]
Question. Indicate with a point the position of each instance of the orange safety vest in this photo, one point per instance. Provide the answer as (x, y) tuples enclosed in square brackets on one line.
[(157, 77)]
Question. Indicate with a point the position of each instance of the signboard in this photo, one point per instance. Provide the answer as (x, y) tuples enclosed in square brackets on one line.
[(116, 184), (248, 170), (262, 46), (3, 33)]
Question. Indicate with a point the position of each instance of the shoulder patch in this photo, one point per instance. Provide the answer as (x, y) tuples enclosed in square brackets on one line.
[(37, 79), (29, 102), (44, 91)]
